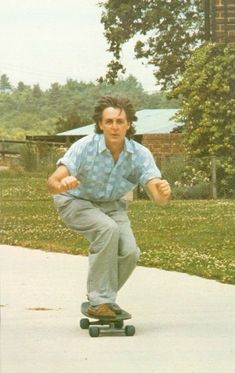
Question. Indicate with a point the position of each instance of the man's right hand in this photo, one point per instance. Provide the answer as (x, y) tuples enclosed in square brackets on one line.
[(68, 182), (61, 181)]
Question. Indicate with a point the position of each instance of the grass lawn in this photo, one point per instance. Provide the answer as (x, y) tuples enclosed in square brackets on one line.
[(195, 237)]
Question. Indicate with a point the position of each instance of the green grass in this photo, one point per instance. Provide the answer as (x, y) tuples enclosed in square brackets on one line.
[(195, 237)]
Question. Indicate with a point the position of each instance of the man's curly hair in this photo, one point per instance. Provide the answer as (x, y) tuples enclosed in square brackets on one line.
[(117, 102)]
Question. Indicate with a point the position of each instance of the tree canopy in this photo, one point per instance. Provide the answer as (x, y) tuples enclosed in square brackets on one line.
[(5, 85), (167, 32), (207, 89), (27, 110)]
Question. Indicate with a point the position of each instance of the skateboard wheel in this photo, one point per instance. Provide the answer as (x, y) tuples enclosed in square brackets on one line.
[(84, 323), (119, 324), (129, 330), (94, 331)]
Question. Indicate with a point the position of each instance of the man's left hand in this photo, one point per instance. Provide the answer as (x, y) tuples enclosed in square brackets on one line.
[(163, 188), (160, 190)]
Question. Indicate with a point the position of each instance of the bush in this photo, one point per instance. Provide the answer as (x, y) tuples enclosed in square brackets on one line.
[(172, 168), (198, 191), (40, 156), (28, 156), (186, 176), (208, 96)]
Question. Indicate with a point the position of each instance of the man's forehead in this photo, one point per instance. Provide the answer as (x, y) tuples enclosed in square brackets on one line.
[(111, 112)]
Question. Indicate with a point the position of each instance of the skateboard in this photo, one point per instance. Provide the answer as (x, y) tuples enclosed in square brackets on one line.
[(104, 325)]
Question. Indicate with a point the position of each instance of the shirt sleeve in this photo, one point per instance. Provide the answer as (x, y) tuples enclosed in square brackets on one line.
[(149, 169), (72, 159)]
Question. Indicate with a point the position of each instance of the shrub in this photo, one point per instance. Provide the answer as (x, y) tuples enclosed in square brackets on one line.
[(208, 96)]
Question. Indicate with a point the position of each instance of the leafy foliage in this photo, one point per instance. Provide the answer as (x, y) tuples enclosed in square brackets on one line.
[(208, 96), (30, 110), (167, 33), (5, 86)]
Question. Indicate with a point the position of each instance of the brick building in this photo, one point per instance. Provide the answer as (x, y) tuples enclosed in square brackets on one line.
[(222, 15), (154, 129), (163, 144)]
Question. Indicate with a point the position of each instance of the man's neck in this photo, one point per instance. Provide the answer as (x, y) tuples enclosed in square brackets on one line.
[(115, 150)]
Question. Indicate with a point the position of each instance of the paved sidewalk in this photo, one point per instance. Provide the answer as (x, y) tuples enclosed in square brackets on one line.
[(184, 324)]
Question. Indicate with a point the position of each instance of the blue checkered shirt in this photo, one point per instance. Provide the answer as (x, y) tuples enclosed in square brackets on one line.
[(103, 179)]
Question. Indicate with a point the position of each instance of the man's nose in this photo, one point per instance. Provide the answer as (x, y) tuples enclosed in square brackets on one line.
[(115, 124)]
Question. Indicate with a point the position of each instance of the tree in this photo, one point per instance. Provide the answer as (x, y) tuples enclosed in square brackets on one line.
[(167, 30), (63, 107), (37, 92), (73, 120), (126, 87), (21, 87), (207, 90), (5, 85), (55, 94)]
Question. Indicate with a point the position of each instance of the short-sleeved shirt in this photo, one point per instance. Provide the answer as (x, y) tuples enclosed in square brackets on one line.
[(103, 179)]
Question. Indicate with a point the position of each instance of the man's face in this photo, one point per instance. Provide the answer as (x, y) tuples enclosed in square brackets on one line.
[(114, 125)]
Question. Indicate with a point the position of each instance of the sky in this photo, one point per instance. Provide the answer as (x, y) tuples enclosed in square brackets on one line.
[(47, 41)]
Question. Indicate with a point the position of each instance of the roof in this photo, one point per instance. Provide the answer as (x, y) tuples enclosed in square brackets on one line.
[(149, 121)]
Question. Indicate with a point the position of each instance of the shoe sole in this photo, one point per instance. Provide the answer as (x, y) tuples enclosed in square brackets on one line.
[(102, 316)]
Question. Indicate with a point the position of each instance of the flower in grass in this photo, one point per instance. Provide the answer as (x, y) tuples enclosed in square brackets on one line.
[(177, 183)]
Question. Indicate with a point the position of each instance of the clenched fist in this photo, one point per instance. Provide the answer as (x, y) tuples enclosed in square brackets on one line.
[(163, 188), (68, 182), (160, 190), (61, 181)]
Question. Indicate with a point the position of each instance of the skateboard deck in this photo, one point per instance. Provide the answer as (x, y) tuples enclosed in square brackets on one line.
[(105, 325)]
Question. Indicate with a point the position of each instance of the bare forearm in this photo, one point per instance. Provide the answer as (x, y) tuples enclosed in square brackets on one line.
[(53, 185)]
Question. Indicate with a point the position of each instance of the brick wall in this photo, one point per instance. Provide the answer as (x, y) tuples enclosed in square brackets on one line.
[(163, 144), (223, 21)]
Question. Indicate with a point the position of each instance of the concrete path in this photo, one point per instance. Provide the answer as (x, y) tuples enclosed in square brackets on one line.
[(184, 324)]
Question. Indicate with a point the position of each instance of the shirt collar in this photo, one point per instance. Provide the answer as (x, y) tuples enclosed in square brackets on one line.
[(101, 145), (128, 146)]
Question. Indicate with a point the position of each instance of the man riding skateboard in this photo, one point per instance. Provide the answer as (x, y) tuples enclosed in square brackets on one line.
[(89, 188)]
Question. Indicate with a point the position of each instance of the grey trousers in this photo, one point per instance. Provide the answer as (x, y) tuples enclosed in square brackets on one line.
[(113, 252)]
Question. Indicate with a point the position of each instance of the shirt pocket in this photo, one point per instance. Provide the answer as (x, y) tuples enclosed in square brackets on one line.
[(122, 187)]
